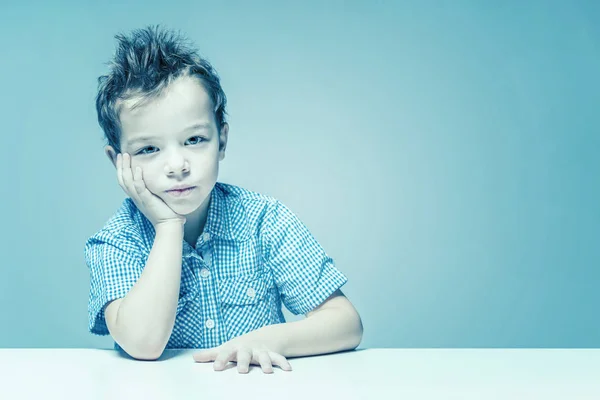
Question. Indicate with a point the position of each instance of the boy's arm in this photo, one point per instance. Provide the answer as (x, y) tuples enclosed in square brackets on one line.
[(142, 321), (304, 275), (333, 326)]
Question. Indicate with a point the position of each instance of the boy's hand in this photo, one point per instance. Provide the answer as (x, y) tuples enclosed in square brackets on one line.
[(244, 350), (152, 206)]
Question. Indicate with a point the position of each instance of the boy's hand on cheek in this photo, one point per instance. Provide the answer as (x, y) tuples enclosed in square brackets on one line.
[(244, 350), (152, 206)]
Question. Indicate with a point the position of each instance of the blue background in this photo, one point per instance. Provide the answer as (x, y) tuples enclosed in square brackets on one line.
[(445, 154)]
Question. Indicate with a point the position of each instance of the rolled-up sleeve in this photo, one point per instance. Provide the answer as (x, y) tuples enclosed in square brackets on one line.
[(305, 275), (114, 261)]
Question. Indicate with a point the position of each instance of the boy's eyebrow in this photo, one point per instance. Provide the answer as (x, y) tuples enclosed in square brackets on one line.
[(194, 127), (197, 126), (140, 139)]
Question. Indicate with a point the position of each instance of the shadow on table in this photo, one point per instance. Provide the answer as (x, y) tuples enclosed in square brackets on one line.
[(331, 354), (171, 353), (166, 355)]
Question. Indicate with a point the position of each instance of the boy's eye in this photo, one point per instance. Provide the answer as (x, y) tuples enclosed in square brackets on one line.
[(152, 149), (143, 151), (196, 139)]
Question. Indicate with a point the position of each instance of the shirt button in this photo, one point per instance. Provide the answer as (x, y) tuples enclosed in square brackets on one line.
[(251, 293), (210, 323), (206, 236), (204, 273)]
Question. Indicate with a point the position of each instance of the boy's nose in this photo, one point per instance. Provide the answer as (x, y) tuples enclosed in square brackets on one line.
[(176, 167)]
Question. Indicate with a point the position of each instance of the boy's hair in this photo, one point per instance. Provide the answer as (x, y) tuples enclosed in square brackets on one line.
[(144, 64)]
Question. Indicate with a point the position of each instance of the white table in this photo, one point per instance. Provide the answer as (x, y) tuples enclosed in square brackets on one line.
[(481, 374)]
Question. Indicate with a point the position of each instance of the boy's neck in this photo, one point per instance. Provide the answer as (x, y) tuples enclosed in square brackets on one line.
[(194, 224)]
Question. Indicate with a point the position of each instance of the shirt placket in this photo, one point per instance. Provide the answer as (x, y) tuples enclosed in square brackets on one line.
[(215, 333)]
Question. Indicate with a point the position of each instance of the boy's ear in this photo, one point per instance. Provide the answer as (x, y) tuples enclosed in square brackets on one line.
[(223, 135), (111, 154)]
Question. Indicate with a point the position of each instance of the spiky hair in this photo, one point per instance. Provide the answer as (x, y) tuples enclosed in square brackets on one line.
[(145, 62)]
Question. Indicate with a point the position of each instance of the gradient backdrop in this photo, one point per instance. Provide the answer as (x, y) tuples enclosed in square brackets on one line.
[(445, 154)]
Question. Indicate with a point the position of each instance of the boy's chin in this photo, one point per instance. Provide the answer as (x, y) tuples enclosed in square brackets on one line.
[(184, 209)]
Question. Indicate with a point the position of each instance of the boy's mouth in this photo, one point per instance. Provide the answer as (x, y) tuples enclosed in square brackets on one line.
[(181, 192)]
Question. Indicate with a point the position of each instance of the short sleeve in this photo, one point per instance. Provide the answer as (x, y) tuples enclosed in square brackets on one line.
[(115, 265), (305, 275)]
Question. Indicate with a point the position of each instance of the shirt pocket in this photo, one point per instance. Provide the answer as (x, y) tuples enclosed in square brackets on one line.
[(246, 303)]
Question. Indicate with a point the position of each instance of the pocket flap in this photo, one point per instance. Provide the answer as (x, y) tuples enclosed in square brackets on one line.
[(244, 291)]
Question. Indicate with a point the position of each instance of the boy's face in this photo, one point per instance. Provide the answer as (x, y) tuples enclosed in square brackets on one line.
[(175, 140)]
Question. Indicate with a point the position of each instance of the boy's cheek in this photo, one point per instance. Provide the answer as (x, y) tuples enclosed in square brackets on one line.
[(152, 187)]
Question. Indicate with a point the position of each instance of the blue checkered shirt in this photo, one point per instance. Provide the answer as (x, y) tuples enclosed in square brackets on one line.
[(253, 254)]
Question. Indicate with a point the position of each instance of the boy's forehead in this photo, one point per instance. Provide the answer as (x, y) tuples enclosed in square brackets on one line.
[(182, 104)]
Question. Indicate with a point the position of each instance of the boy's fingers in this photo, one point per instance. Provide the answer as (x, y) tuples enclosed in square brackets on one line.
[(122, 176), (128, 176), (223, 358), (280, 361), (265, 362), (126, 171), (244, 357), (120, 171), (141, 191), (207, 354), (128, 180), (138, 182)]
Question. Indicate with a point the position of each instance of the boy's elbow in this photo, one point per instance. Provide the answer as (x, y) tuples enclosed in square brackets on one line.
[(146, 357), (358, 334), (144, 350), (145, 353), (354, 331)]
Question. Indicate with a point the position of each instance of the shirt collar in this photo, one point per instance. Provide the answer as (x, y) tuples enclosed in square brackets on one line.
[(226, 216)]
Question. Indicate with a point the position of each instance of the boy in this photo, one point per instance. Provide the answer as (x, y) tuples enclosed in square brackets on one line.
[(189, 262)]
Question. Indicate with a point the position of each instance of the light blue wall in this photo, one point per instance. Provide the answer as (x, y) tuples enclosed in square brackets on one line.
[(446, 154)]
